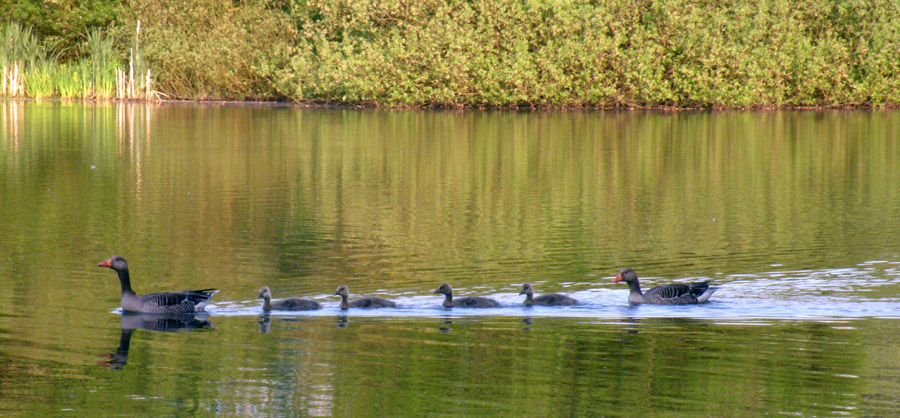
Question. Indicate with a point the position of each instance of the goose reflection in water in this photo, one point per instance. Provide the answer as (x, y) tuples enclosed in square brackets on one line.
[(528, 321), (264, 323), (445, 329), (151, 322)]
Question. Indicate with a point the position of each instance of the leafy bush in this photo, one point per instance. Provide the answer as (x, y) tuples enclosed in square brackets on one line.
[(60, 24), (585, 53), (206, 49), (498, 53)]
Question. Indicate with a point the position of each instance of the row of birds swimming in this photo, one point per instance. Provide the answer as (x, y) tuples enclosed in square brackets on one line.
[(189, 301)]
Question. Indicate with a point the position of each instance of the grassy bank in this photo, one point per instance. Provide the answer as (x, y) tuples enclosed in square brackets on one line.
[(459, 53)]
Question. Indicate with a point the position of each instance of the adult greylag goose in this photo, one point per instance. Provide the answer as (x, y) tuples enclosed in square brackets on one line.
[(466, 302), (290, 304), (366, 302), (670, 294), (187, 301), (550, 299)]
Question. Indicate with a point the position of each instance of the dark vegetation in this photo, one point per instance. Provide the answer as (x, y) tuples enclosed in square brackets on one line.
[(457, 53)]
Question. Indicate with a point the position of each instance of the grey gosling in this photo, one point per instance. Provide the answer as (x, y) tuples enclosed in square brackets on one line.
[(366, 302), (290, 304), (550, 299), (466, 302)]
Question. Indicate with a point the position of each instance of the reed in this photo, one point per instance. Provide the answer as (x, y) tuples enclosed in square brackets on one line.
[(38, 80), (18, 44), (28, 70), (136, 82), (71, 81), (19, 49), (102, 61)]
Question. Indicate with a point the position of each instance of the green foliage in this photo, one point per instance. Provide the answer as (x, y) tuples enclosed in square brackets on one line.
[(71, 81), (497, 53), (39, 79), (61, 24), (583, 53), (102, 60), (50, 75), (207, 48), (18, 44)]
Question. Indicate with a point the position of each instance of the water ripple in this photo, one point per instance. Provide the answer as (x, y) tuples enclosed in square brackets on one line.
[(858, 292)]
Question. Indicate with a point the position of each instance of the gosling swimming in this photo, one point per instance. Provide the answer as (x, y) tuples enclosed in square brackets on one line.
[(290, 304), (466, 302), (550, 299), (365, 302)]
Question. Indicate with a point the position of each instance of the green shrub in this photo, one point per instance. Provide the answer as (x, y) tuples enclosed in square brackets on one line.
[(60, 24), (585, 53), (207, 49), (499, 53)]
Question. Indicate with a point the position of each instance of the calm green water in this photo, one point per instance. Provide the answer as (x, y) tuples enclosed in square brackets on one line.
[(794, 215)]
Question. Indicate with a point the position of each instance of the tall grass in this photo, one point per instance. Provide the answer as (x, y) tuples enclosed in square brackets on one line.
[(18, 44), (102, 61), (30, 70), (39, 79), (19, 51)]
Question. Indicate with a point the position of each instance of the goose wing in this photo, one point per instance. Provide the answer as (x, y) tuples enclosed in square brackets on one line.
[(176, 302), (678, 294)]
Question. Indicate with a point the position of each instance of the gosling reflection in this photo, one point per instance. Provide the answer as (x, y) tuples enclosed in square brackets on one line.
[(343, 321), (264, 323), (527, 321), (150, 322), (446, 328)]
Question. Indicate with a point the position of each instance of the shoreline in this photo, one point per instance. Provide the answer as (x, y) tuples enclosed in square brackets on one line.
[(522, 108)]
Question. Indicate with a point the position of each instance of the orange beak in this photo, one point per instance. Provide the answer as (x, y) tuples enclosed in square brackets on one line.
[(107, 263), (618, 278)]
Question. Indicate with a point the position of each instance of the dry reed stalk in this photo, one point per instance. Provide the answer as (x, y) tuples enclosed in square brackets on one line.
[(147, 89), (131, 71), (120, 83), (15, 79)]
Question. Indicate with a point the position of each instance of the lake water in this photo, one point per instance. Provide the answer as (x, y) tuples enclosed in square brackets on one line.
[(794, 215)]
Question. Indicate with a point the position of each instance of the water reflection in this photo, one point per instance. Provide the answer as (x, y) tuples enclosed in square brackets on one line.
[(151, 322), (445, 328), (264, 323), (119, 359), (528, 321)]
